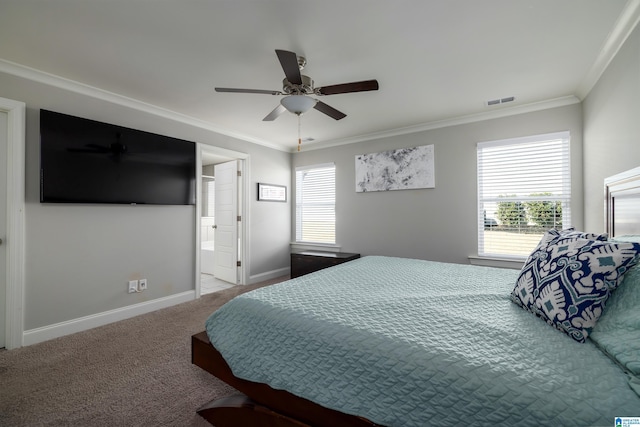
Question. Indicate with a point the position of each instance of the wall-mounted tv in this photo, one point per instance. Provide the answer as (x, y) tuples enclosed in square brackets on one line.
[(85, 161)]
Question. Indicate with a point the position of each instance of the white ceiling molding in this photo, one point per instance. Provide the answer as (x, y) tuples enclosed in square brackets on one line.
[(627, 22), (472, 118), (623, 27), (73, 86), (67, 84), (32, 74), (494, 49)]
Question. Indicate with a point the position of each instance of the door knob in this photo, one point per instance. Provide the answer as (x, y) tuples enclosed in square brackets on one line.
[(214, 226)]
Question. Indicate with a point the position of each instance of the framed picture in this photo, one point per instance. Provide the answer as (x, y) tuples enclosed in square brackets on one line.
[(272, 192), (402, 169)]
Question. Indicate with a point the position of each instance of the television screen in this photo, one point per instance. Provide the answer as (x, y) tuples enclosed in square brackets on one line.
[(84, 161)]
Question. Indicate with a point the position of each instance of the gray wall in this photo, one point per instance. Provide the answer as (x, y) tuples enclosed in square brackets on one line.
[(440, 223), (79, 257), (611, 128), (270, 221)]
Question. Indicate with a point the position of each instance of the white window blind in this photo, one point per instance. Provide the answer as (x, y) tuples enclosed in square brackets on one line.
[(316, 204), (524, 189)]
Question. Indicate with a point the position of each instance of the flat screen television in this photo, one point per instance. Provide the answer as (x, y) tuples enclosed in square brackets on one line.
[(85, 161)]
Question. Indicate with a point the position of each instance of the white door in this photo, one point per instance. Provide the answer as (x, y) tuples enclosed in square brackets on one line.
[(3, 225), (226, 215)]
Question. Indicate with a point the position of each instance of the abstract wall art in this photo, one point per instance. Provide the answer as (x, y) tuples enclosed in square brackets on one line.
[(401, 169)]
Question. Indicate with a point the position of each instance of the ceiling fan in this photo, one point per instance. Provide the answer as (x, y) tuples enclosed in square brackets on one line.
[(298, 87)]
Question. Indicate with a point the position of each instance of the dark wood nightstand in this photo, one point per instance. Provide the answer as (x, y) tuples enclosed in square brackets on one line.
[(305, 262)]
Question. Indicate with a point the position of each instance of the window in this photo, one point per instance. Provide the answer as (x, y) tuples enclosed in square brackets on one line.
[(316, 204), (524, 189), (208, 196)]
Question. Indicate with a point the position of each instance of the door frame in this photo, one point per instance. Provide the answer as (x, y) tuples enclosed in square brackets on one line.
[(15, 241), (244, 200)]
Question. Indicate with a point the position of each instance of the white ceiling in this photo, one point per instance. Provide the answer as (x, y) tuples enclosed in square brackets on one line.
[(436, 61)]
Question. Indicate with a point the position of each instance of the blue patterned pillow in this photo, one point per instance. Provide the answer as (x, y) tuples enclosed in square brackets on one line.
[(569, 233), (568, 280)]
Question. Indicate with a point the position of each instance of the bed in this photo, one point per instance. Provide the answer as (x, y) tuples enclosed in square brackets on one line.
[(405, 342)]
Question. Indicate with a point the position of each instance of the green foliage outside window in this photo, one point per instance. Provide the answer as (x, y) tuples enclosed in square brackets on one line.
[(543, 214), (512, 214)]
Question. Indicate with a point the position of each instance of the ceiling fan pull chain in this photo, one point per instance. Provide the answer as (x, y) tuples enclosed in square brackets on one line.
[(299, 139)]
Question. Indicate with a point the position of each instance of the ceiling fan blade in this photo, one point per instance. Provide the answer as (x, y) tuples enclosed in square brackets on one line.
[(362, 86), (289, 62), (275, 113), (329, 111), (234, 90)]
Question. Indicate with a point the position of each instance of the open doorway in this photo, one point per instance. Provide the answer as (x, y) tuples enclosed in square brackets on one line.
[(221, 248), (208, 281)]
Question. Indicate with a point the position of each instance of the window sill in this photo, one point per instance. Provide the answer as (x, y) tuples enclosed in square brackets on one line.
[(303, 246), (513, 263)]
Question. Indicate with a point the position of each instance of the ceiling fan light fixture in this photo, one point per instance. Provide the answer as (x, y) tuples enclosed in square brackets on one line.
[(298, 104)]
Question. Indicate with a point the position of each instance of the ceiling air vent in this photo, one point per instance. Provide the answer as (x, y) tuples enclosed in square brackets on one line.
[(501, 100)]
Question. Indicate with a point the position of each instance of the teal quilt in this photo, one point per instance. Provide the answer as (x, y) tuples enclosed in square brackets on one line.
[(405, 342)]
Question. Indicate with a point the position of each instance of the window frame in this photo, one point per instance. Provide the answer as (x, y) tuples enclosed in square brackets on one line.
[(299, 204), (564, 138)]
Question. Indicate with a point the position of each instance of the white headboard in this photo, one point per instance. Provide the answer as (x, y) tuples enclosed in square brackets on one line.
[(622, 203)]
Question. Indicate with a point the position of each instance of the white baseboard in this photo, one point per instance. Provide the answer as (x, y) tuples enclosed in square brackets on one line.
[(269, 275), (34, 336)]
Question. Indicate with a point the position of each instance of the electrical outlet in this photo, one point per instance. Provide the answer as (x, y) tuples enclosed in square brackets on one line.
[(142, 285), (133, 286)]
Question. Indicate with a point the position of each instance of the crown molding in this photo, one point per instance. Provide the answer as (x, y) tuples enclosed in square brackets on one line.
[(471, 118), (33, 74), (624, 26)]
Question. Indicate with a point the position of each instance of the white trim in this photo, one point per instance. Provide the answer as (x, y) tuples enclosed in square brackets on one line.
[(564, 135), (73, 86), (304, 246), (245, 208), (472, 118), (623, 176), (63, 83), (624, 26), (45, 333), (315, 166), (16, 112), (490, 178), (245, 252), (614, 186), (198, 220), (269, 275), (325, 174)]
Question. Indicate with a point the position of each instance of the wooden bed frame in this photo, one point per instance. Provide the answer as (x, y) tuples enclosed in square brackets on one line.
[(261, 405)]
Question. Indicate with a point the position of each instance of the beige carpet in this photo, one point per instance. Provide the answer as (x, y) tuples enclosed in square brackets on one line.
[(136, 372)]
